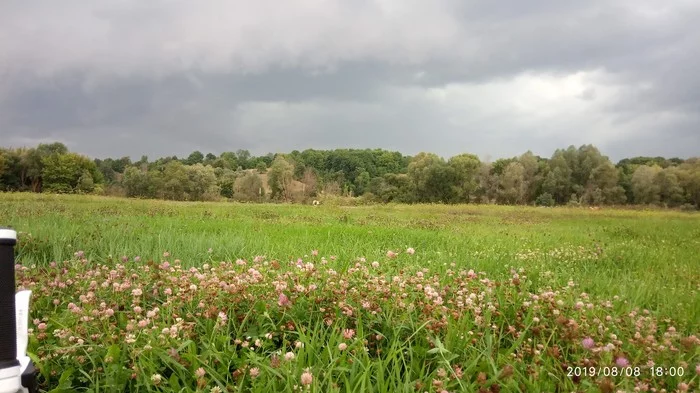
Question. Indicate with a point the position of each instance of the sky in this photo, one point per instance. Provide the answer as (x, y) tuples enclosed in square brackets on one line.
[(492, 78)]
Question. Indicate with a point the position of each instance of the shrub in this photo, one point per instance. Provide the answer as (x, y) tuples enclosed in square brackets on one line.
[(545, 199)]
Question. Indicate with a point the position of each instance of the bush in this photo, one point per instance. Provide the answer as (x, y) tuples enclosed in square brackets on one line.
[(545, 199), (687, 207)]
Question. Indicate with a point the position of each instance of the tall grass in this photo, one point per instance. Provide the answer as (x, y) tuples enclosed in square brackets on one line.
[(631, 271)]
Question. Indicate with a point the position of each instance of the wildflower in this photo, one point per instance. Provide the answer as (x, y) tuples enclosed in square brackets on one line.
[(254, 372), (342, 346), (156, 379), (375, 264), (307, 378), (391, 254), (348, 333), (588, 343), (299, 344), (137, 259), (697, 369), (683, 387), (622, 362), (314, 252), (215, 389), (200, 372), (289, 356), (410, 251), (283, 300), (42, 326), (109, 312), (166, 254), (137, 292), (138, 310)]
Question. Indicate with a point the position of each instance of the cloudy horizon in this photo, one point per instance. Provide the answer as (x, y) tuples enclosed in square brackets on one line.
[(166, 78)]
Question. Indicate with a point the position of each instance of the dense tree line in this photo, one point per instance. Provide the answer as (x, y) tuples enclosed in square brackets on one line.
[(570, 176)]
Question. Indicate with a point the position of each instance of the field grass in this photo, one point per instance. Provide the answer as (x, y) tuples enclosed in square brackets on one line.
[(494, 298)]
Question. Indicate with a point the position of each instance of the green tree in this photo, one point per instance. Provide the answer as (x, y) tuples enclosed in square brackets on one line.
[(226, 180), (558, 181), (466, 168), (243, 158), (689, 179), (138, 183), (670, 190), (279, 178), (201, 184), (196, 157), (361, 182), (62, 172), (488, 183), (250, 187), (513, 188), (432, 178), (175, 182), (644, 189), (603, 186), (85, 183), (533, 175)]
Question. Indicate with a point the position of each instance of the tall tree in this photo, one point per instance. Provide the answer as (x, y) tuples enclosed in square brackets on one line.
[(196, 157), (513, 188), (61, 172), (466, 168), (603, 185), (644, 188), (670, 190), (279, 178)]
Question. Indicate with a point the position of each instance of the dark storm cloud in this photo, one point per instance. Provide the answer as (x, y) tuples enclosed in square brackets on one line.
[(493, 78)]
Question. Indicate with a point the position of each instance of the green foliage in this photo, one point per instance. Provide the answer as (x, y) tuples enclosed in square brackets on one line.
[(513, 188), (545, 199), (280, 177), (86, 184), (250, 188), (466, 168), (432, 178), (140, 183), (196, 157), (62, 173), (491, 295), (644, 186), (573, 176)]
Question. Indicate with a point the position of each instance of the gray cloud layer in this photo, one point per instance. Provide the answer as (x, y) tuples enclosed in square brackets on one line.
[(492, 78)]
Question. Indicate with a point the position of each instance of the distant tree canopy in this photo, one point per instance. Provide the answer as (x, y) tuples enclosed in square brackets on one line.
[(570, 176)]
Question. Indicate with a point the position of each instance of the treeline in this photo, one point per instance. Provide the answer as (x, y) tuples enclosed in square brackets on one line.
[(571, 176)]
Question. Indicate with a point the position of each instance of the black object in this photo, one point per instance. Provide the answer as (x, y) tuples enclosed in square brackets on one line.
[(29, 378), (8, 322), (8, 315)]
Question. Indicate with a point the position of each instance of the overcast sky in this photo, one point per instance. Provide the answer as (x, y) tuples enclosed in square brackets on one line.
[(493, 78)]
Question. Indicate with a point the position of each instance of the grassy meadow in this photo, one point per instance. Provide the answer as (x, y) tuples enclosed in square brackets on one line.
[(133, 295)]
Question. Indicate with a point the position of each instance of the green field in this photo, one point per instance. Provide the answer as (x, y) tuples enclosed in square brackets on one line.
[(543, 280)]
